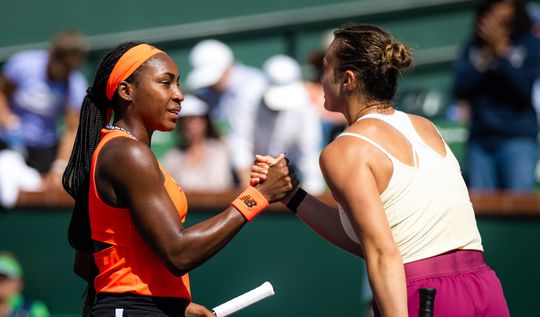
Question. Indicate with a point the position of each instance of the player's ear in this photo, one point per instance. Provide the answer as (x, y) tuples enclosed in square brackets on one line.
[(125, 91), (350, 81)]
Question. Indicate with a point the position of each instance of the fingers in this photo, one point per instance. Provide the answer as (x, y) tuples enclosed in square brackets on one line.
[(491, 28), (279, 158), (268, 159), (258, 173), (259, 169), (208, 313), (196, 310), (265, 159)]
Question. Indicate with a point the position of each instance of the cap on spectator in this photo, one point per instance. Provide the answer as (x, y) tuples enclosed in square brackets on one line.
[(286, 90), (209, 59), (9, 266), (193, 106)]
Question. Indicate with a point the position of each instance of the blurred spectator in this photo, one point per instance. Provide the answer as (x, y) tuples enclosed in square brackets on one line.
[(333, 123), (233, 92), (16, 176), (533, 9), (495, 76), (200, 162), (39, 88), (12, 301), (286, 122)]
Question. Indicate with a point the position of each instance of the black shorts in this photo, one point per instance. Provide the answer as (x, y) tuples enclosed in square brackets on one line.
[(41, 158), (132, 305)]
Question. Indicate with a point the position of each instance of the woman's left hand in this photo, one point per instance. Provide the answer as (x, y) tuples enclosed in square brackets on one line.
[(196, 310)]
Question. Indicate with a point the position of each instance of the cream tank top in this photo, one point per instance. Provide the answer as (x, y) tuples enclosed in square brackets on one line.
[(427, 205)]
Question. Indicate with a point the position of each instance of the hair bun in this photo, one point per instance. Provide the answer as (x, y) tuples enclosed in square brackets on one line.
[(397, 55)]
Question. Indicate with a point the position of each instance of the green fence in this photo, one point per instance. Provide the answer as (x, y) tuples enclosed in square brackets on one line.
[(310, 277)]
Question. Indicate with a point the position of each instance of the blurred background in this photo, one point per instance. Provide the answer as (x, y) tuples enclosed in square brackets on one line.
[(311, 278)]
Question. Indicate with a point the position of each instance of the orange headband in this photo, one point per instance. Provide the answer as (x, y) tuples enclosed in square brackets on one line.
[(127, 64)]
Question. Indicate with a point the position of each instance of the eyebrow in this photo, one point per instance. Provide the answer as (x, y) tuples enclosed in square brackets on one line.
[(169, 74)]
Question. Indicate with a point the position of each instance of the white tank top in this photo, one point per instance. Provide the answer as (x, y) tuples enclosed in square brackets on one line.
[(427, 205)]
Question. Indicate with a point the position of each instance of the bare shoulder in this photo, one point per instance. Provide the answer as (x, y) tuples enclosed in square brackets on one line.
[(344, 149), (428, 132), (125, 157), (422, 123), (346, 154)]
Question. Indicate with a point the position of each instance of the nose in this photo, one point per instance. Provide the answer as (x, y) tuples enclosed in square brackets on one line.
[(178, 95)]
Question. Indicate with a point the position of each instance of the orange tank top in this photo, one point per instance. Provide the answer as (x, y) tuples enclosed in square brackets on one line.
[(130, 265)]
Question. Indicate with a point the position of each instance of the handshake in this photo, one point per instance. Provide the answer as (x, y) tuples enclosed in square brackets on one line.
[(273, 177)]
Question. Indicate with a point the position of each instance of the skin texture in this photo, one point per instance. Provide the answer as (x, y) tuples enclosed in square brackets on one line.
[(151, 103)]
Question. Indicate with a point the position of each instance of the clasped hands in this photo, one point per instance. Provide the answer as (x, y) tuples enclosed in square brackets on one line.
[(262, 173)]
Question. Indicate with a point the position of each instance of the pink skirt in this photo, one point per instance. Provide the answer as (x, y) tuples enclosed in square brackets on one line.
[(466, 286)]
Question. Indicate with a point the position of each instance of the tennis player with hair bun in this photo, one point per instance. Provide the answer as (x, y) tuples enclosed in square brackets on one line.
[(402, 202), (127, 224)]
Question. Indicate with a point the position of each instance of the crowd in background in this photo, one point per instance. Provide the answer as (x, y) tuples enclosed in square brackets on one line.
[(232, 111)]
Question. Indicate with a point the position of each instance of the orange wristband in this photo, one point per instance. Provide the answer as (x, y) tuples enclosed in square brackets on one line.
[(250, 203)]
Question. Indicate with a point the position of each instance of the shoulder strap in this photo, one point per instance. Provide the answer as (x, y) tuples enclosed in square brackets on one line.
[(402, 123), (375, 144)]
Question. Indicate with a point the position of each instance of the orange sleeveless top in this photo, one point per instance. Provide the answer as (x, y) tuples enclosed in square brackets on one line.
[(130, 265)]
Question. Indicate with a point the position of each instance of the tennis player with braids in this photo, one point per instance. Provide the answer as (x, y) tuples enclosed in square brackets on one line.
[(403, 204), (127, 222)]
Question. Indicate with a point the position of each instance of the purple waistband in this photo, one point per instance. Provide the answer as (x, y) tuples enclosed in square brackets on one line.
[(450, 263)]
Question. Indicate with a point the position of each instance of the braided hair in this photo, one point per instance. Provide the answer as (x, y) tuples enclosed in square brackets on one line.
[(76, 178)]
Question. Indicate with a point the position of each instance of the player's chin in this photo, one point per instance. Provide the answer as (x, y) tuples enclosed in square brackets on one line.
[(327, 106), (168, 125)]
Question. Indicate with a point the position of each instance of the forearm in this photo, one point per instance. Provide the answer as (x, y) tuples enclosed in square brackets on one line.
[(201, 241), (325, 221), (387, 279)]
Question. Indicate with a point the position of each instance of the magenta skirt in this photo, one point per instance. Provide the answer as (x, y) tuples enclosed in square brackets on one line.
[(466, 286)]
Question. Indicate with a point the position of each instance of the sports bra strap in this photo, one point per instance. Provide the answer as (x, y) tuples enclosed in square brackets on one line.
[(368, 140)]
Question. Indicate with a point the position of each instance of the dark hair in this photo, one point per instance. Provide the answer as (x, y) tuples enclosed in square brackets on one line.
[(76, 178), (68, 42), (374, 55), (210, 133), (521, 23)]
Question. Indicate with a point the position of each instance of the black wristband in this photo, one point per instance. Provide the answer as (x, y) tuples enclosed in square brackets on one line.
[(296, 199)]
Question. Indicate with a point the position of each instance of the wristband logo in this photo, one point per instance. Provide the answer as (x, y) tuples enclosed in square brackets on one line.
[(248, 201)]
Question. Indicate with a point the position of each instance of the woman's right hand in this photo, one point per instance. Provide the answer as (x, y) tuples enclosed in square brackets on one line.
[(259, 169), (277, 181)]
